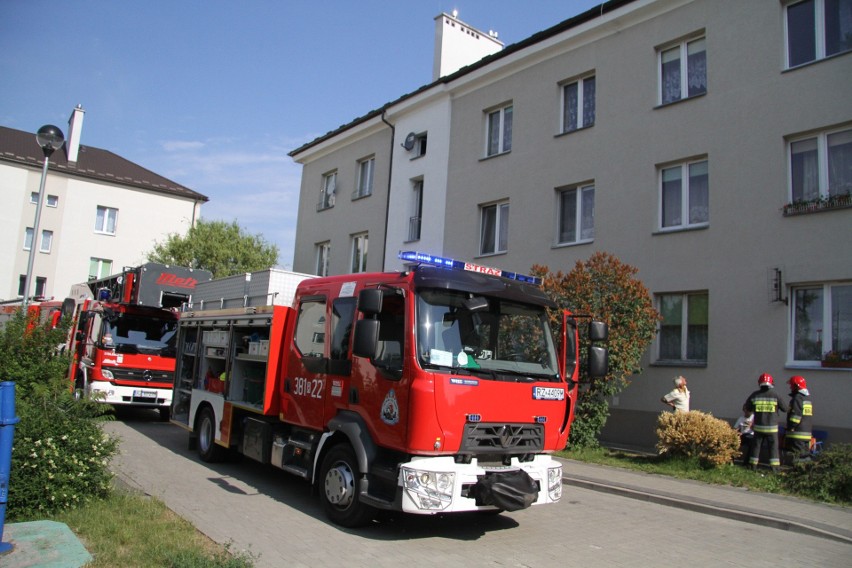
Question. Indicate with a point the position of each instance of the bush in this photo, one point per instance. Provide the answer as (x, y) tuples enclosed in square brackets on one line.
[(699, 435), (60, 459), (827, 478), (60, 455)]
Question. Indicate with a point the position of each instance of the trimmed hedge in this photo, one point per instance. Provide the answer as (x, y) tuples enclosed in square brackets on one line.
[(697, 434)]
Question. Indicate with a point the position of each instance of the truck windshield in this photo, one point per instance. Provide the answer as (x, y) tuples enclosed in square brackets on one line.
[(485, 336), (129, 333)]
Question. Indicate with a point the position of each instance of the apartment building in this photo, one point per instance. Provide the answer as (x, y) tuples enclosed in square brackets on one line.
[(100, 212), (706, 142)]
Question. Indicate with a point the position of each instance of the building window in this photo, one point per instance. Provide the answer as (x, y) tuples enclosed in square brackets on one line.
[(817, 29), (50, 200), (40, 285), (420, 145), (28, 238), (323, 255), (494, 228), (821, 166), (683, 71), (822, 322), (105, 220), (576, 210), (414, 221), (499, 131), (359, 253), (684, 327), (578, 104), (99, 268), (328, 191), (365, 178), (46, 241), (684, 195)]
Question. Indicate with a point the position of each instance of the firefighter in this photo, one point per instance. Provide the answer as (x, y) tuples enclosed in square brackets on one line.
[(797, 439), (765, 403)]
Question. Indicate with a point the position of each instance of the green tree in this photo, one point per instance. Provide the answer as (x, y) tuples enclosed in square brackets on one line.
[(608, 290), (222, 248)]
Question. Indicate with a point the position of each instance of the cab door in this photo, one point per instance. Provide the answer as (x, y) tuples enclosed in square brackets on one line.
[(305, 382)]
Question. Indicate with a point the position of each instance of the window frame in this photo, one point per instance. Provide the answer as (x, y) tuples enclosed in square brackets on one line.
[(582, 88), (368, 163), (40, 284), (818, 35), (501, 227), (415, 221), (29, 237), (323, 257), (580, 191), (103, 229), (359, 252), (685, 195), (683, 69), (824, 331), (684, 329), (328, 191), (504, 128), (101, 263), (46, 236), (823, 164)]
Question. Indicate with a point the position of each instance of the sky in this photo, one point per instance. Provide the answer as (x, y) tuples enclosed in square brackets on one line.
[(213, 94)]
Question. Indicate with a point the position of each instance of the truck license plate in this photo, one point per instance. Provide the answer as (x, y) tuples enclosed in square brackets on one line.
[(144, 394), (548, 393)]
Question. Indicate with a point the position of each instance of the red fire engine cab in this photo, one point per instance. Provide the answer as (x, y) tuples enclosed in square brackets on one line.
[(123, 339), (434, 390)]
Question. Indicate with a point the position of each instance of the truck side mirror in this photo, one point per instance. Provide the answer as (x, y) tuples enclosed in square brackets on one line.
[(370, 301), (68, 307), (598, 331), (598, 361), (366, 338)]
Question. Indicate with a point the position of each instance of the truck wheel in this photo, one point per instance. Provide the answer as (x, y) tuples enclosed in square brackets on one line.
[(339, 491), (208, 450), (165, 413)]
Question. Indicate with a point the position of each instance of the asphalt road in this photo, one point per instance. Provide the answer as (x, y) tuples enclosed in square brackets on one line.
[(274, 517)]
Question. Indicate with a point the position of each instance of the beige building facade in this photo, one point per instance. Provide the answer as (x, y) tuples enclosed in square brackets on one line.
[(707, 143)]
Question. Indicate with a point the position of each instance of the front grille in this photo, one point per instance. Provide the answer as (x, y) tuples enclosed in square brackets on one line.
[(141, 376), (502, 438)]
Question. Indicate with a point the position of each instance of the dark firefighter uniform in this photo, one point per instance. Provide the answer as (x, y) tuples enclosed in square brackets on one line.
[(797, 439), (765, 404)]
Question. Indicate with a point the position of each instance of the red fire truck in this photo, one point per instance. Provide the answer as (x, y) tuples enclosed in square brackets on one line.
[(123, 339), (434, 390)]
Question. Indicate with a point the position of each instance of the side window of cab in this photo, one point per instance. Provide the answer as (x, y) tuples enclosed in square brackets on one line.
[(310, 328)]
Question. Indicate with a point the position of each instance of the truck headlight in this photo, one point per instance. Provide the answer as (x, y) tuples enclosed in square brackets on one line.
[(431, 490), (107, 374), (554, 483)]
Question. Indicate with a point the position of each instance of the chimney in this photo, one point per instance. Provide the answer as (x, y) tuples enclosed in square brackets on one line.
[(75, 128), (458, 45)]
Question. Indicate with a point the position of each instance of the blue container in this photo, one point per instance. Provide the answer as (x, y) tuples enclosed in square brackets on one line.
[(7, 433)]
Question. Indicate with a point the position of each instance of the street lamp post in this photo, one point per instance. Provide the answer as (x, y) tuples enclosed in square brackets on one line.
[(50, 139)]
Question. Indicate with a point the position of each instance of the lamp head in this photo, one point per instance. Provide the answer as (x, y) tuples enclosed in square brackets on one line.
[(50, 139)]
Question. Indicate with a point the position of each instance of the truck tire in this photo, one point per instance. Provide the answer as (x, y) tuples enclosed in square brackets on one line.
[(339, 488), (208, 450), (165, 413)]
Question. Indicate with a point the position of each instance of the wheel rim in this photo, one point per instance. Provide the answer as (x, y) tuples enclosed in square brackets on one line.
[(206, 433), (340, 485)]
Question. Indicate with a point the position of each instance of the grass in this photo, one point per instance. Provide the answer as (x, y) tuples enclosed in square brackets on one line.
[(135, 531), (683, 468)]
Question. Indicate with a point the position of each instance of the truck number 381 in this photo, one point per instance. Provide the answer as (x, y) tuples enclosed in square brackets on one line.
[(308, 387)]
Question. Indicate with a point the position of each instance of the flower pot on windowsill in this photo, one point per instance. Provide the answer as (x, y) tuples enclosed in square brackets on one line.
[(837, 364)]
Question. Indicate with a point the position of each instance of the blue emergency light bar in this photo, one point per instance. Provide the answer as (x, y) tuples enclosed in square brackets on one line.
[(451, 263)]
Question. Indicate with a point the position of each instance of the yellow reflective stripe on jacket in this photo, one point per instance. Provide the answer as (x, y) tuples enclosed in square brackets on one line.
[(795, 419), (798, 435), (765, 405), (765, 429), (807, 408)]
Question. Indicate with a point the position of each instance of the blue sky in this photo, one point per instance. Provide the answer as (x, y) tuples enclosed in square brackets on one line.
[(213, 94)]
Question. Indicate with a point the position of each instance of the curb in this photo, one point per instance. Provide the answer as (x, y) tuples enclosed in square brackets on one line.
[(707, 508)]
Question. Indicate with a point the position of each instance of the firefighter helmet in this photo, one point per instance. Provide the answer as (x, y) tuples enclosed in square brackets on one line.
[(797, 382), (765, 379)]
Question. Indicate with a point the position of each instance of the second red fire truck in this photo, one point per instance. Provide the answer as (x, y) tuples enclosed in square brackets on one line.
[(434, 390)]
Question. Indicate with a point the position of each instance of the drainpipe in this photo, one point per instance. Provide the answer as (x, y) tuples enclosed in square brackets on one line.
[(390, 177)]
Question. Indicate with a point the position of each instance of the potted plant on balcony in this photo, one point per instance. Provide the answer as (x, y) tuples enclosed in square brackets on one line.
[(834, 201), (837, 359)]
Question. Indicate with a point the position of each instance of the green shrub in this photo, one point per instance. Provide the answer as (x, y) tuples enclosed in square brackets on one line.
[(699, 435), (826, 478), (60, 459), (60, 455)]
